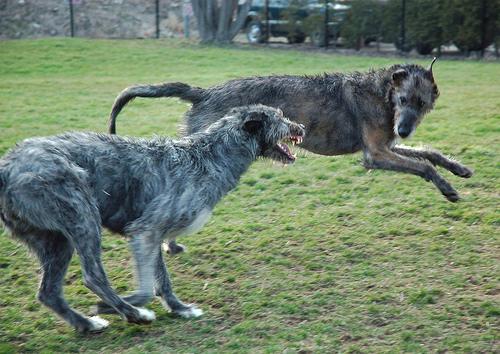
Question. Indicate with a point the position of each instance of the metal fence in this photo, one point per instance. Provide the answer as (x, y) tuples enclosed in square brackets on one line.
[(355, 23), (153, 8), (91, 18), (167, 18)]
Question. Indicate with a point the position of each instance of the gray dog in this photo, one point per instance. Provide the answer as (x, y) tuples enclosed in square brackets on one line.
[(342, 113), (56, 192)]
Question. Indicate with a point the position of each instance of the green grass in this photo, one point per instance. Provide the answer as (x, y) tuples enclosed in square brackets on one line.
[(321, 256)]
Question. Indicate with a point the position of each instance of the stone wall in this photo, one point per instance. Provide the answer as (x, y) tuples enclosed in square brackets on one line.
[(92, 18)]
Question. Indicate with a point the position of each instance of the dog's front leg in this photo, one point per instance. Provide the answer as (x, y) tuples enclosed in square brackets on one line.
[(436, 158), (144, 246), (386, 159), (163, 287)]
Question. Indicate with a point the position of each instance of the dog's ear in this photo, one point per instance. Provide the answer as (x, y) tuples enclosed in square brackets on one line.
[(254, 122), (398, 76)]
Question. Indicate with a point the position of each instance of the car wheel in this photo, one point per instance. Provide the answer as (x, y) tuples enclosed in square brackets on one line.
[(318, 37), (297, 38), (254, 32)]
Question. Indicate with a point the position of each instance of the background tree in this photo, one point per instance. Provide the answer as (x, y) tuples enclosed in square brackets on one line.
[(424, 25), (219, 20), (470, 24), (363, 23), (391, 23)]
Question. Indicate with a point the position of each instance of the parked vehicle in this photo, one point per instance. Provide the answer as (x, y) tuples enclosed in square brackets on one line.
[(295, 20)]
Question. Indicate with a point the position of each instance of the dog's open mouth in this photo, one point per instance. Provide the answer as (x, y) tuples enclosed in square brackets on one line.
[(282, 152)]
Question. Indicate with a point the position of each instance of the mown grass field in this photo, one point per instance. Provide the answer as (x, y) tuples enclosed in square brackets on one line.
[(321, 256)]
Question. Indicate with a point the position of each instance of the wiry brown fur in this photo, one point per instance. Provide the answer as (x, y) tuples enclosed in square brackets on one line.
[(342, 113)]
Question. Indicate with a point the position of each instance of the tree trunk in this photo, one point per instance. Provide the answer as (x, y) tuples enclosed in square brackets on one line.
[(219, 20)]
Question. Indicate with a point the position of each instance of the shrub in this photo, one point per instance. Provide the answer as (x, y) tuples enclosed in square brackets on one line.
[(464, 21), (424, 29), (363, 23), (422, 25)]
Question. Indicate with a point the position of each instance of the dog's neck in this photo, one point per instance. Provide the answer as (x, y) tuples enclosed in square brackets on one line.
[(382, 87), (224, 155)]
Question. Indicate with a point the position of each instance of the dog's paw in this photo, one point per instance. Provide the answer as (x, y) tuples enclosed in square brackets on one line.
[(144, 316), (452, 196), (463, 172), (97, 324), (173, 248), (190, 312)]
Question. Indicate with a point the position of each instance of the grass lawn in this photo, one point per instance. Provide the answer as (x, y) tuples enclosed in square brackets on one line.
[(321, 256)]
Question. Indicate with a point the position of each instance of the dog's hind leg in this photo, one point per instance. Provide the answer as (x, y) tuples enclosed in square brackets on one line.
[(164, 290), (54, 252), (64, 203), (436, 158)]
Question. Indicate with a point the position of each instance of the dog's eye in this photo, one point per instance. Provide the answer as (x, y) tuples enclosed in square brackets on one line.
[(402, 99), (421, 103)]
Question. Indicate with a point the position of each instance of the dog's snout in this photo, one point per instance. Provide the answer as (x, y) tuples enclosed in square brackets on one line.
[(407, 123), (404, 131)]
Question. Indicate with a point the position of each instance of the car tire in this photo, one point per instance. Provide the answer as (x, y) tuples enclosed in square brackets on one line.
[(297, 38), (254, 32), (318, 37)]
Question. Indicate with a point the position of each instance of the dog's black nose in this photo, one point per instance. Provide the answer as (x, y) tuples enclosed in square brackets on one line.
[(403, 131)]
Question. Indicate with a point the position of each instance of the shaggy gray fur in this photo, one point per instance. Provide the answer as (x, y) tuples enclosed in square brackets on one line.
[(56, 192), (342, 113)]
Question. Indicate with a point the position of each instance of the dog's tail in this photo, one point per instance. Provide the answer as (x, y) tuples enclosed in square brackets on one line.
[(169, 89)]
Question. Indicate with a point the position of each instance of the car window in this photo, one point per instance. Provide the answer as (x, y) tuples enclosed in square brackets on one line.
[(279, 3), (272, 3)]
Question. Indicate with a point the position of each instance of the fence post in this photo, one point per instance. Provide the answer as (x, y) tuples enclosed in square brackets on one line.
[(483, 27), (268, 24), (157, 18), (71, 18), (403, 25), (327, 35)]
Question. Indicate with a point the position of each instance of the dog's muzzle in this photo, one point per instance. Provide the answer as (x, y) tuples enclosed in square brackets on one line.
[(407, 122)]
